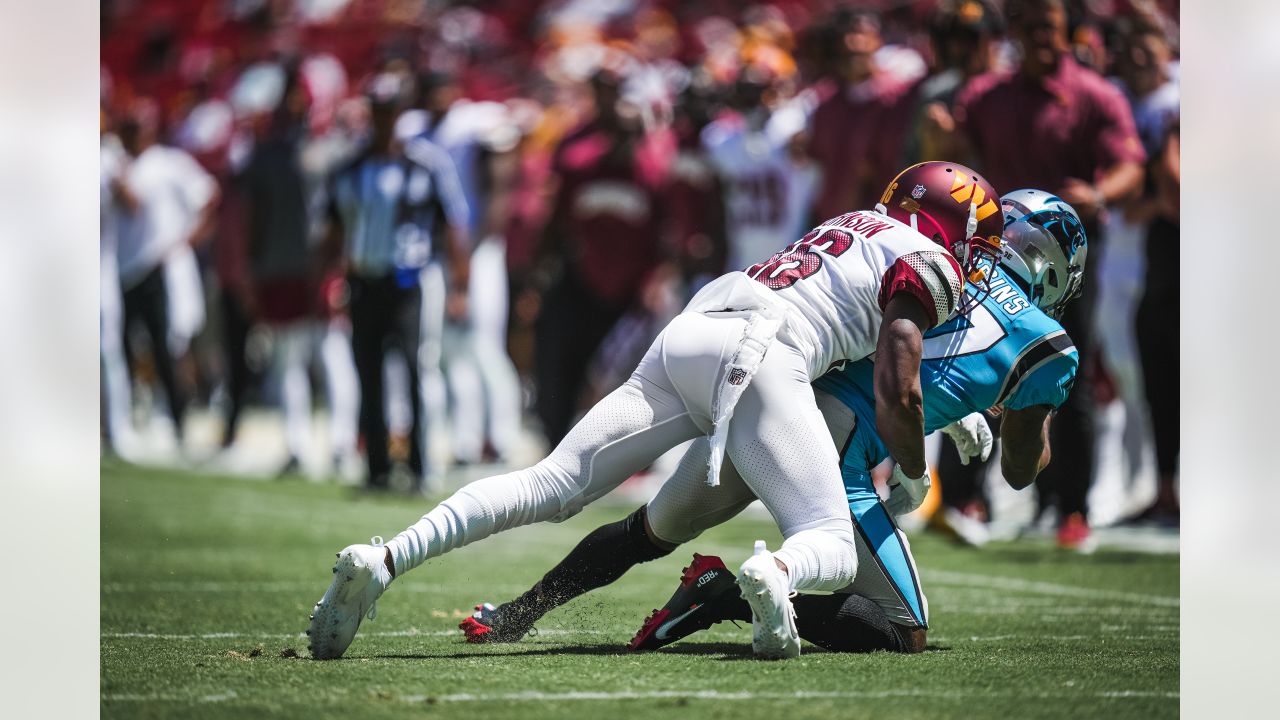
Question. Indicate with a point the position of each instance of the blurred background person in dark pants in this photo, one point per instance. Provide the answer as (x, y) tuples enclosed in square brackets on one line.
[(165, 203), (605, 230), (1057, 125), (480, 137), (280, 257), (1143, 68), (384, 206)]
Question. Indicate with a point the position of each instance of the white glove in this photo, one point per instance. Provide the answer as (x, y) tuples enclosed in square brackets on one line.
[(972, 436), (906, 493)]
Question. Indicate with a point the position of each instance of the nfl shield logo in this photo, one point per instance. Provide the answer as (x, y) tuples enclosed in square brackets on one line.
[(736, 376), (917, 192)]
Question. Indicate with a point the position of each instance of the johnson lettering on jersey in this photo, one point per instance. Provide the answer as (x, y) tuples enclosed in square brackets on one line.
[(837, 279)]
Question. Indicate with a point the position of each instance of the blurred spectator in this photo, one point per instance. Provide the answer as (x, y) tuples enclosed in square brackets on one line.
[(1053, 124), (769, 184), (281, 263), (963, 36), (1143, 68), (858, 130), (165, 203), (384, 206), (237, 303), (480, 138), (117, 398), (695, 198), (605, 225)]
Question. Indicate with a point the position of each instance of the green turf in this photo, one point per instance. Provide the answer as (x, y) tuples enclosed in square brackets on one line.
[(207, 582)]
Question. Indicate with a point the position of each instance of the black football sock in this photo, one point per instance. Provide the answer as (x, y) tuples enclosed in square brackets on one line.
[(599, 559), (845, 623)]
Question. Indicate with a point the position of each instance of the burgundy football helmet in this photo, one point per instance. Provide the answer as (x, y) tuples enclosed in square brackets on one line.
[(950, 204)]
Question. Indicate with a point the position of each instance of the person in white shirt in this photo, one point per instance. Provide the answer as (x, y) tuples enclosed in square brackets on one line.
[(164, 203), (116, 393), (768, 186)]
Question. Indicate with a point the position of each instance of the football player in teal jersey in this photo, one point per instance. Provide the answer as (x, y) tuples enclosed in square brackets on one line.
[(1005, 352)]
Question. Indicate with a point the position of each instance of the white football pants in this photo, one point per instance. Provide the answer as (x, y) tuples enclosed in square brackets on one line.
[(292, 353), (343, 386), (777, 439)]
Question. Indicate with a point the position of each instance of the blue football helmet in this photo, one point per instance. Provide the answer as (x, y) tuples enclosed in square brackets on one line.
[(1044, 248)]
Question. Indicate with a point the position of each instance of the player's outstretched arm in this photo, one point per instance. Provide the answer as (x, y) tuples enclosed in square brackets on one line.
[(1024, 439), (899, 402)]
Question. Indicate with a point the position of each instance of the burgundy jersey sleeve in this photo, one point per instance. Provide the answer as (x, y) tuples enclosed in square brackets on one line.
[(1116, 131), (931, 277)]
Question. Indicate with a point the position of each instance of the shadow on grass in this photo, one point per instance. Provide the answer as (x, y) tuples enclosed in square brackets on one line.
[(731, 652), (595, 649)]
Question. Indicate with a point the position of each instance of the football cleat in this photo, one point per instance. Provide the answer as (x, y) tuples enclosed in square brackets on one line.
[(773, 618), (359, 577), (489, 624), (706, 587)]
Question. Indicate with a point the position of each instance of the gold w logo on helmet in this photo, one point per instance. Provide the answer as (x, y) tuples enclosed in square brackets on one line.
[(965, 189)]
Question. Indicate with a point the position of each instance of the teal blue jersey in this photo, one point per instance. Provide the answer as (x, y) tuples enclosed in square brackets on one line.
[(1004, 353)]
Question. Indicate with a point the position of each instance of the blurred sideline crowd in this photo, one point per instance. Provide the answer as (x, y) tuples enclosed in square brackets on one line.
[(468, 220)]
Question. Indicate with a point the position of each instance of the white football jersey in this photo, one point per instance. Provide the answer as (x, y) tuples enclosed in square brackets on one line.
[(835, 281), (767, 193)]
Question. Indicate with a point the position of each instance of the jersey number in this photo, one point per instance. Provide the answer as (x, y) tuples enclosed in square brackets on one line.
[(977, 332), (761, 199), (800, 259)]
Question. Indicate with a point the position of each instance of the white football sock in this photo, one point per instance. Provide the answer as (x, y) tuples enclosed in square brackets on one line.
[(823, 559)]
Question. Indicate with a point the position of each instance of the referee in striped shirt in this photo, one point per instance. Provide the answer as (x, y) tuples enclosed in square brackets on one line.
[(389, 208)]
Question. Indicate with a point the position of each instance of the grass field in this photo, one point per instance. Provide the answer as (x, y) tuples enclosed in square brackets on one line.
[(207, 582)]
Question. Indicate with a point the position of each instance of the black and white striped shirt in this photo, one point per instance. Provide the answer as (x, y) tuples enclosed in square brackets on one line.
[(390, 206)]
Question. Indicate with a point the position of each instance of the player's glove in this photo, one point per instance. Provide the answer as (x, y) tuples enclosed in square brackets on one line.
[(906, 493), (972, 436)]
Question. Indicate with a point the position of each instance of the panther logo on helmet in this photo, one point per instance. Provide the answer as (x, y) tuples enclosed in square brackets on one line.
[(1045, 248)]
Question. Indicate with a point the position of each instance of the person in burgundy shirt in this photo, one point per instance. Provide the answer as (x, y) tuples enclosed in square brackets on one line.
[(1053, 124), (605, 228), (858, 130)]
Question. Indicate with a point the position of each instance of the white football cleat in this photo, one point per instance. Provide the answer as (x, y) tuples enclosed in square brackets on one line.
[(773, 618), (359, 577)]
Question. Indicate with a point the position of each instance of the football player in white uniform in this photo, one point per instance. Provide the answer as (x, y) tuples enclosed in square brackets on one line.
[(736, 367)]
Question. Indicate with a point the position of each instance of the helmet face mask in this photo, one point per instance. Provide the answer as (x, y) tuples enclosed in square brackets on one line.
[(1044, 248)]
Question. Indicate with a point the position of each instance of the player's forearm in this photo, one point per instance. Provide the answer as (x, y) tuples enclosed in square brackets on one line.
[(899, 400), (901, 425)]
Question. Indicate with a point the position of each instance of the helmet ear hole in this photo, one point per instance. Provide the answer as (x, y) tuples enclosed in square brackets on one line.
[(1052, 278)]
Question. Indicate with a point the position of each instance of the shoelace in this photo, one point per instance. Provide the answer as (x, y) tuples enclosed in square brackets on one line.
[(375, 541)]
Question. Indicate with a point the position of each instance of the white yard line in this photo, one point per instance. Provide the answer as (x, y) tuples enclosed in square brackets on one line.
[(411, 632), (263, 587), (533, 696), (596, 696), (995, 582)]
